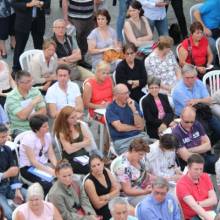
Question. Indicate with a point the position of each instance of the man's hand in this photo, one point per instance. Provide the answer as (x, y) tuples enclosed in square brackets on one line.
[(131, 104), (192, 102), (207, 32), (148, 189), (36, 100), (201, 69)]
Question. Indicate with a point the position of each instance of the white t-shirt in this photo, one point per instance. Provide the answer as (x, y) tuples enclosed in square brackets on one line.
[(57, 96), (31, 140)]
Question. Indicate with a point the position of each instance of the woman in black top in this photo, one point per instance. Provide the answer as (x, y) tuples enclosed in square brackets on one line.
[(131, 72), (100, 186), (158, 113), (73, 137)]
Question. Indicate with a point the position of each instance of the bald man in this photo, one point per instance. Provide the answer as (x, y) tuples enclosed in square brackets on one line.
[(193, 139), (124, 119)]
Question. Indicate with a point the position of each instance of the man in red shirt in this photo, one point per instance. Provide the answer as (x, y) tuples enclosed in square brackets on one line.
[(195, 190)]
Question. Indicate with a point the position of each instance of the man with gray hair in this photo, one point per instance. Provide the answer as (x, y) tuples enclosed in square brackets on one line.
[(118, 207), (190, 91), (124, 119), (159, 204)]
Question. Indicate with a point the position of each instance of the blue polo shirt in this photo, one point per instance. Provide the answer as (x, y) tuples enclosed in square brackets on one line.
[(182, 94), (210, 13), (150, 209), (114, 112)]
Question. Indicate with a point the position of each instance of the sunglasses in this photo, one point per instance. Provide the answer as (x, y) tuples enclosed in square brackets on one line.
[(41, 151), (189, 122)]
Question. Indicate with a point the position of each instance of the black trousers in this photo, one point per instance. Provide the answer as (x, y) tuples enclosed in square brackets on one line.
[(178, 10), (37, 32)]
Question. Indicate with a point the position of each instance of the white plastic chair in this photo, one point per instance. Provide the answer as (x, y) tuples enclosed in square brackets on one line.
[(191, 11), (59, 148), (177, 50), (25, 59), (213, 77), (140, 103), (217, 44), (17, 142)]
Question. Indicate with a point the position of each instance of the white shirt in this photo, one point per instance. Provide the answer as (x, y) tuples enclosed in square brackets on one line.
[(162, 162), (55, 95)]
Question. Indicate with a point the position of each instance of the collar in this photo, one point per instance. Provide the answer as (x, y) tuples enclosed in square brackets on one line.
[(184, 130)]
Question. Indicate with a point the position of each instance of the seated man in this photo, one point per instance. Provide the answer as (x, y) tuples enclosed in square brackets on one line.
[(63, 92), (208, 15), (118, 207), (159, 204), (8, 172), (190, 91), (124, 119), (68, 51), (193, 139), (22, 102), (195, 191)]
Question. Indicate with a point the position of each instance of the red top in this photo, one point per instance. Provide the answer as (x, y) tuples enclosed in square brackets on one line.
[(199, 52), (100, 92), (199, 192)]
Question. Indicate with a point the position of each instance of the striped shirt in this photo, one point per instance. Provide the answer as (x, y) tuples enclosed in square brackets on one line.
[(81, 9)]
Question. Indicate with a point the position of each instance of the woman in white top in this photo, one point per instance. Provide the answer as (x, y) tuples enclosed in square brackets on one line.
[(6, 81), (44, 64), (36, 208), (162, 158), (36, 150)]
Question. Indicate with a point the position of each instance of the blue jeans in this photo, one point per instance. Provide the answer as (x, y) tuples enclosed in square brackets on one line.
[(122, 10), (161, 26)]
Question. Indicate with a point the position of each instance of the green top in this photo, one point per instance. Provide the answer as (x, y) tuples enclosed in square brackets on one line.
[(15, 102)]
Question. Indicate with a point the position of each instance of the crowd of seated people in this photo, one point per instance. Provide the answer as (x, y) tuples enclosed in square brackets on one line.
[(149, 162)]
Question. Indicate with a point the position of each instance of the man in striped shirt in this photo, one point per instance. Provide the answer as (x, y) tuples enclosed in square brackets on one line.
[(80, 14)]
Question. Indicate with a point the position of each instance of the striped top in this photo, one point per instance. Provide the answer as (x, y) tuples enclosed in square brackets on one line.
[(81, 9)]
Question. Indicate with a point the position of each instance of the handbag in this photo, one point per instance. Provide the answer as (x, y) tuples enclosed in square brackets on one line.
[(112, 55)]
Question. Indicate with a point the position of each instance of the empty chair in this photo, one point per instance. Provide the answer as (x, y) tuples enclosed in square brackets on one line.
[(212, 78)]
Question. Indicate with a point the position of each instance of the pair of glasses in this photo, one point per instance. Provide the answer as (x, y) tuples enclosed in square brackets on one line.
[(41, 151), (189, 122)]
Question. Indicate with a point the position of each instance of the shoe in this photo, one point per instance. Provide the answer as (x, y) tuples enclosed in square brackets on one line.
[(84, 64)]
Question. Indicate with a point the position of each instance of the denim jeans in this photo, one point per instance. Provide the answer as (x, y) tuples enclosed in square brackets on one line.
[(122, 10), (161, 26)]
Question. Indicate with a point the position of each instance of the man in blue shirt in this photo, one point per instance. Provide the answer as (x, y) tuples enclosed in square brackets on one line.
[(190, 91), (159, 204), (124, 119)]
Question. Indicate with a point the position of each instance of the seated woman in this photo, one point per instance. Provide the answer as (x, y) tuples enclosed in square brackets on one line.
[(69, 196), (97, 91), (36, 208), (162, 64), (131, 171), (44, 64), (6, 82), (196, 50), (100, 186), (74, 138), (36, 150), (158, 113), (131, 72), (162, 158), (137, 29), (102, 38)]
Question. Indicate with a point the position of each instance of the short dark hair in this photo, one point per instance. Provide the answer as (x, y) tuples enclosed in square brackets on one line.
[(137, 5), (195, 158), (3, 128), (63, 67), (139, 144), (104, 13), (20, 74), (168, 142), (129, 46), (196, 25), (37, 121)]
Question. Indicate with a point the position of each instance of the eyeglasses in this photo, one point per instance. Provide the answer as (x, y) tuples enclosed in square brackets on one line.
[(188, 122), (125, 93), (159, 193), (26, 82), (129, 53), (60, 27)]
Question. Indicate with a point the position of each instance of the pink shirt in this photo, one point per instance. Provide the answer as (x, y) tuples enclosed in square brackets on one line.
[(31, 140), (47, 214), (160, 109)]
